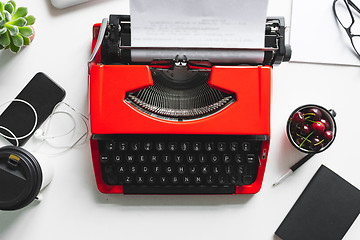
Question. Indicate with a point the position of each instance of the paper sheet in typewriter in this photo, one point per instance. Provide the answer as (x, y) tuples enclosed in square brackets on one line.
[(220, 25)]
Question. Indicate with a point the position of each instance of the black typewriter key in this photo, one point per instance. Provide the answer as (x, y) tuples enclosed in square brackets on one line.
[(214, 158), (166, 158), (133, 169), (121, 169), (160, 146), (221, 146), (198, 180), (202, 158), (181, 169), (222, 180), (247, 179), (154, 158), (163, 180), (250, 158), (210, 179), (151, 180), (241, 169), (169, 169), (123, 146), (148, 146), (145, 169), (110, 146), (186, 180), (226, 158), (238, 158), (234, 146), (193, 169), (197, 146), (233, 180), (172, 146), (178, 158), (216, 169), (228, 169), (157, 169), (226, 179), (128, 179), (205, 169), (104, 158), (246, 146), (185, 146), (140, 179), (135, 146), (130, 158), (142, 158), (175, 180), (209, 146), (117, 158), (190, 158)]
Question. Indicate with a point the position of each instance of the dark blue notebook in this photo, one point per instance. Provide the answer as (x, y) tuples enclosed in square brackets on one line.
[(325, 209)]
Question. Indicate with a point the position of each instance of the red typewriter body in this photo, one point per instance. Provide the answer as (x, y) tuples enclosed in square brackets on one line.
[(112, 114)]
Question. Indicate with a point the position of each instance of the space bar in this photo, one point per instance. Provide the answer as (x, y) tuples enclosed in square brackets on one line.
[(178, 190)]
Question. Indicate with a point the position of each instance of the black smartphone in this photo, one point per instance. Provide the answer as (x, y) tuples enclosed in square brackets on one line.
[(42, 94)]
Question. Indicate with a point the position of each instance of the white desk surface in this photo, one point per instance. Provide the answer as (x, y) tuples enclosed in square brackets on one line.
[(73, 208)]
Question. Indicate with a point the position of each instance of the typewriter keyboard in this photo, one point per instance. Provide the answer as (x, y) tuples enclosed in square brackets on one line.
[(183, 164)]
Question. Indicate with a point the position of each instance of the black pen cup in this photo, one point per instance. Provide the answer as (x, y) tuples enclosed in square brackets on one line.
[(311, 128)]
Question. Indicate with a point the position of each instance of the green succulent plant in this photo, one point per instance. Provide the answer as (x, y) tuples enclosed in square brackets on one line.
[(15, 30)]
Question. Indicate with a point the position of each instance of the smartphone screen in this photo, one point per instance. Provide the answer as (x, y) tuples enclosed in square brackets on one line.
[(42, 94)]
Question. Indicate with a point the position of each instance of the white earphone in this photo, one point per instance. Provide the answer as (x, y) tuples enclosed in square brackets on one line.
[(42, 133)]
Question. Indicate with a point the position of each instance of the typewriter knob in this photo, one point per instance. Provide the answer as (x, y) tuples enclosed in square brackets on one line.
[(288, 53)]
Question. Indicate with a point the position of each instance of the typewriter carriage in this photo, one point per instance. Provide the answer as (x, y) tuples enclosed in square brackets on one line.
[(176, 81)]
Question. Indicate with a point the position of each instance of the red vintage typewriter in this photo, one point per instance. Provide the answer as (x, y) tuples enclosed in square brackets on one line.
[(179, 126)]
